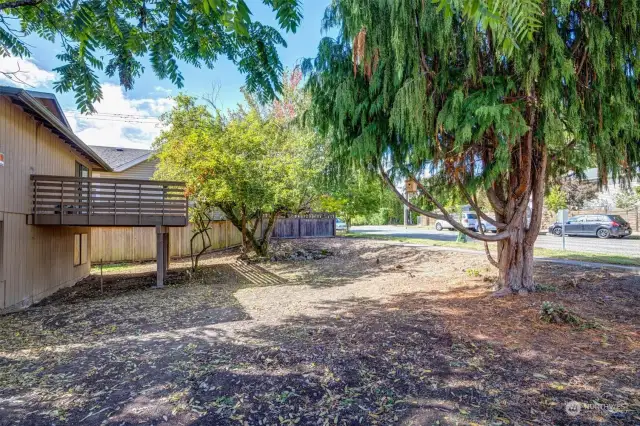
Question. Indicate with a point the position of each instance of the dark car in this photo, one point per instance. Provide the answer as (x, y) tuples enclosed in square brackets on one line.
[(599, 225)]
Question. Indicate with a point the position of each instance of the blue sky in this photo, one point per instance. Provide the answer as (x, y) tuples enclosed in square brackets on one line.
[(151, 96)]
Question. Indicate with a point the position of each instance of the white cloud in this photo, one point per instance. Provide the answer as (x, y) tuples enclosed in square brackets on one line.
[(24, 72), (163, 90), (121, 122)]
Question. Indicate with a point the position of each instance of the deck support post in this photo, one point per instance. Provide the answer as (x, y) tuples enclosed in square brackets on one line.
[(162, 254)]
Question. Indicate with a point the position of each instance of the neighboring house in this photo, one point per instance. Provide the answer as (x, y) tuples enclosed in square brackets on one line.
[(133, 163), (127, 163), (49, 200), (606, 199)]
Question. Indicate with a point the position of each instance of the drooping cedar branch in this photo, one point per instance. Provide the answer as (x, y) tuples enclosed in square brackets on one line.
[(443, 97)]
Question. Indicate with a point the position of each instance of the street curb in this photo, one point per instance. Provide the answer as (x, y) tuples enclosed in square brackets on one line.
[(592, 265)]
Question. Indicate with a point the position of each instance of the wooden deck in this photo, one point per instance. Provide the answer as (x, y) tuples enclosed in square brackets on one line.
[(71, 201)]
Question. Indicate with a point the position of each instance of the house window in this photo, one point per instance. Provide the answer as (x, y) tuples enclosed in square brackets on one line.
[(82, 171), (80, 249)]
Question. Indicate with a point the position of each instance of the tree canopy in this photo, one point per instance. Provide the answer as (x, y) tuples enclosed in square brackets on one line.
[(253, 163), (113, 36), (351, 195), (408, 91)]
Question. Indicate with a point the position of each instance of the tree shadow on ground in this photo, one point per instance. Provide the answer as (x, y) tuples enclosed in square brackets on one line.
[(455, 357)]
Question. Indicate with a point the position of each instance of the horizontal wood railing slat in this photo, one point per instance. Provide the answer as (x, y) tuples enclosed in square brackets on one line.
[(119, 199)]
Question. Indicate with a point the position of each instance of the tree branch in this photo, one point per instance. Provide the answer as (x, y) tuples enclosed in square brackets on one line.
[(480, 213), (445, 216), (19, 3), (525, 157), (538, 196)]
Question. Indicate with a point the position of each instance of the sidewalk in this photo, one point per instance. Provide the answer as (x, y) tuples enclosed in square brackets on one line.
[(594, 265)]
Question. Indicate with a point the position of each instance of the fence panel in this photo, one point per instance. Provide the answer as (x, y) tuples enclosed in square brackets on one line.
[(317, 227), (134, 244), (314, 225)]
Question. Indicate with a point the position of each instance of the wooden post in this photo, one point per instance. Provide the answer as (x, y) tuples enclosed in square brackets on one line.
[(165, 240), (160, 255)]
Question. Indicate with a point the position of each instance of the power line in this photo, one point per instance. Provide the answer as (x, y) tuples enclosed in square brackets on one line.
[(113, 114)]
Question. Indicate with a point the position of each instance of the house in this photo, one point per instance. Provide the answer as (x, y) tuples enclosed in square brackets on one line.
[(127, 163), (606, 199), (50, 200), (134, 244)]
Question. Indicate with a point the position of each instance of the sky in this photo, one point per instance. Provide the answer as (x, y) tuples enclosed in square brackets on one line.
[(136, 124)]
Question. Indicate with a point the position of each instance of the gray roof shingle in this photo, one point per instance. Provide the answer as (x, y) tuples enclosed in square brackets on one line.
[(121, 159)]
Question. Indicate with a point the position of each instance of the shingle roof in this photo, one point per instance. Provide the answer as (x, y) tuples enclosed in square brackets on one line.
[(121, 159)]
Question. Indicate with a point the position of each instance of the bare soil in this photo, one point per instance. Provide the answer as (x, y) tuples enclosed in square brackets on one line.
[(371, 333)]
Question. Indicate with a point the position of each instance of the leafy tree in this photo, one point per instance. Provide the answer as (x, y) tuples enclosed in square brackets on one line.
[(355, 194), (578, 193), (113, 36), (556, 199), (407, 91), (251, 166), (627, 199)]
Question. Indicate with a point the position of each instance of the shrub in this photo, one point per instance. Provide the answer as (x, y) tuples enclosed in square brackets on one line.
[(555, 313)]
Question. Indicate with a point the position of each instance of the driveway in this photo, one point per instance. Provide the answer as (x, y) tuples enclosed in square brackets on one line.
[(626, 246)]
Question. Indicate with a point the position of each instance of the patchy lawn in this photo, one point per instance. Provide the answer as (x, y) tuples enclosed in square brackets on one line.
[(368, 334)]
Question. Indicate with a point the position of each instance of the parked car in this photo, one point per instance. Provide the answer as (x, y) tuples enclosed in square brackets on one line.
[(600, 225), (468, 220), (488, 227), (341, 225)]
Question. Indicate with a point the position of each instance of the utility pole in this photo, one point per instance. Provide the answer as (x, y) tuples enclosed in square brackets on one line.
[(406, 209)]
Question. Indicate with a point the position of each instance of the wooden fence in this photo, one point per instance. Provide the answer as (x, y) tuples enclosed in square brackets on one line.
[(314, 225), (134, 244)]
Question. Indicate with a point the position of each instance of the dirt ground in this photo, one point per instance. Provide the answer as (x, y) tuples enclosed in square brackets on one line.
[(369, 334)]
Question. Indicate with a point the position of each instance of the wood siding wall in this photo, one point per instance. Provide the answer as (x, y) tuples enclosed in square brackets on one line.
[(36, 261), (143, 171), (129, 244)]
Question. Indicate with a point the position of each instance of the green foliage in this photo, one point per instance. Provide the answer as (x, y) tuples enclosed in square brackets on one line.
[(472, 272), (556, 199), (354, 194), (113, 36), (249, 163), (512, 21), (556, 313), (427, 93), (627, 199), (578, 193)]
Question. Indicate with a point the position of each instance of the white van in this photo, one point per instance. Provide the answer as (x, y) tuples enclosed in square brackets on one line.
[(467, 219)]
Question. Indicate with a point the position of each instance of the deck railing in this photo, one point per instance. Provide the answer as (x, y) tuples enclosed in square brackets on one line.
[(62, 200)]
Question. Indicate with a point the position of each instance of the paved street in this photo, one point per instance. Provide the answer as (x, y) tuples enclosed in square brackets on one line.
[(626, 246)]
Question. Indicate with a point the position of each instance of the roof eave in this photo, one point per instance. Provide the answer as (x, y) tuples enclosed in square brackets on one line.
[(47, 117), (132, 163)]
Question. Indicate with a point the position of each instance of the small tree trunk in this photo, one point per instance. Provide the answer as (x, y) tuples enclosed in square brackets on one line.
[(244, 230)]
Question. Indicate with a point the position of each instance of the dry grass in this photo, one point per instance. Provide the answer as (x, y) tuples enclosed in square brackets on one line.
[(373, 334)]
